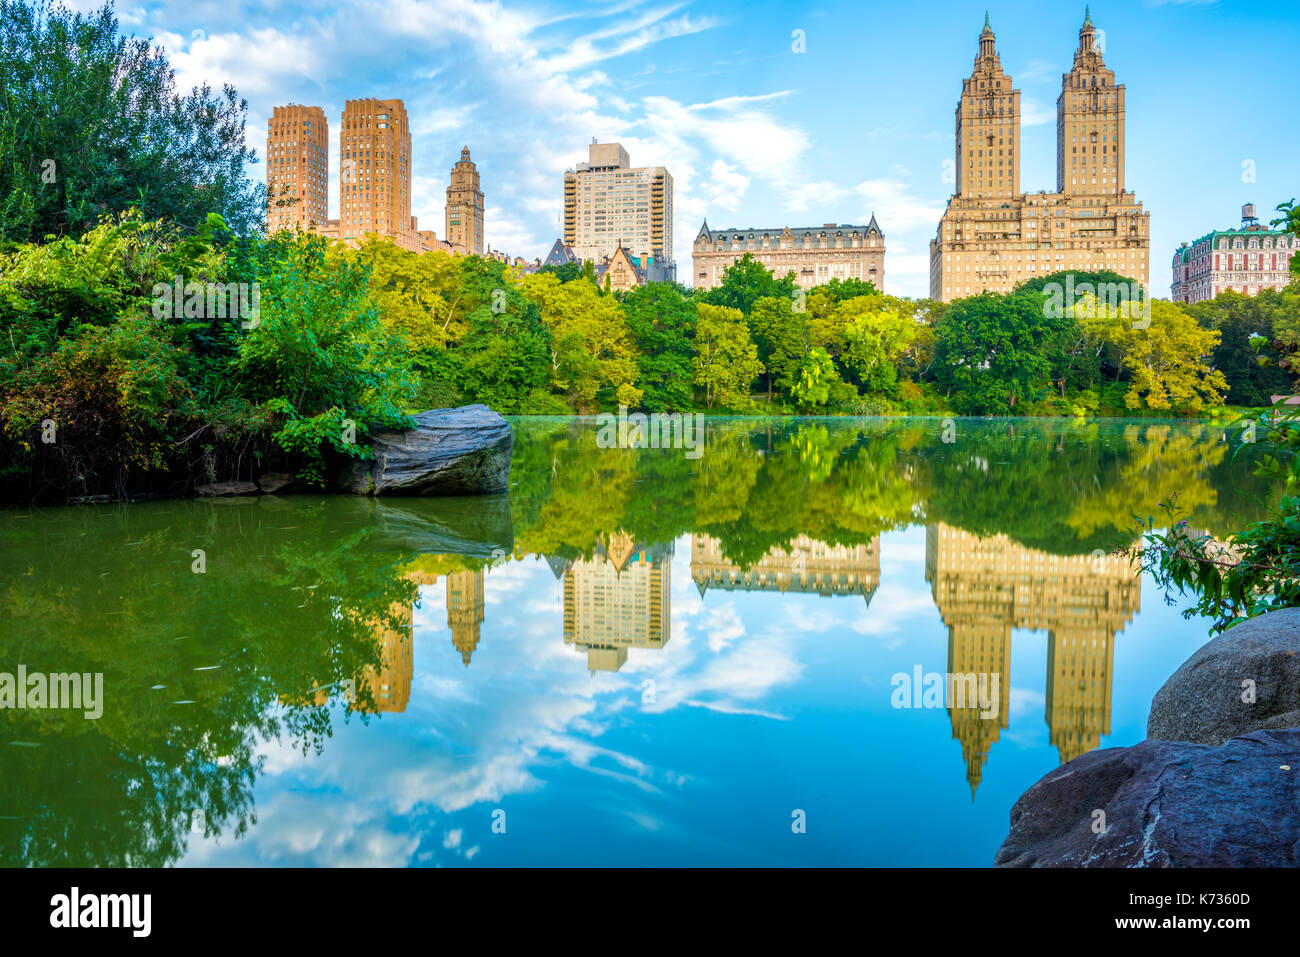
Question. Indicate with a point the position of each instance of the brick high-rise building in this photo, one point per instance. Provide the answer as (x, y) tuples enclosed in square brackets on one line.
[(297, 168), (1246, 260), (465, 207), (992, 236), (609, 203), (375, 173)]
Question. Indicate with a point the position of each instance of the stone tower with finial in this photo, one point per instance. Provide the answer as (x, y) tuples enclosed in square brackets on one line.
[(465, 207), (1090, 122), (988, 127), (992, 237)]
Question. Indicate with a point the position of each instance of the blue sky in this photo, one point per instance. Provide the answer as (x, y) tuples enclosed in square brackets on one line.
[(754, 133)]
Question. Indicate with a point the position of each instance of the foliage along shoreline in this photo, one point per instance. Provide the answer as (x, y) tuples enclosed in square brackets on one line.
[(109, 388), (120, 374)]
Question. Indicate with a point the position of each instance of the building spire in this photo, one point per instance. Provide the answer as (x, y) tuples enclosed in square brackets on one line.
[(1087, 33), (986, 39)]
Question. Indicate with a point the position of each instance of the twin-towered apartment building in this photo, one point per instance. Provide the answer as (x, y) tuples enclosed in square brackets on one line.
[(375, 166), (994, 237)]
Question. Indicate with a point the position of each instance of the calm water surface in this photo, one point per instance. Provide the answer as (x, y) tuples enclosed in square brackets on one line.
[(635, 657)]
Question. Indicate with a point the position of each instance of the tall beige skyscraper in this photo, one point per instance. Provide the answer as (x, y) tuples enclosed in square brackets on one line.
[(375, 173), (1090, 124), (988, 127), (994, 237), (297, 167), (465, 610), (608, 203), (465, 207)]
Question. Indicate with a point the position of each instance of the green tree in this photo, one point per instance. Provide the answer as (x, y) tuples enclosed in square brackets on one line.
[(746, 281), (874, 334), (592, 362), (504, 358), (992, 351), (815, 382), (781, 336), (1164, 364), (1244, 355), (91, 124), (320, 360), (565, 272), (726, 360), (662, 323)]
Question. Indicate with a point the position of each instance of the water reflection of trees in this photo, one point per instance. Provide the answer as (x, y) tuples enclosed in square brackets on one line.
[(302, 594), (199, 669), (1059, 486)]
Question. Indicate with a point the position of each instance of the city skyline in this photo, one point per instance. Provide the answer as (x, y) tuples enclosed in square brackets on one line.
[(754, 132)]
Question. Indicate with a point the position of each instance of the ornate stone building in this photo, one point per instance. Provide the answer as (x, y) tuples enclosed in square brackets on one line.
[(297, 168), (622, 272), (465, 207), (1246, 260), (994, 237), (815, 254), (609, 203)]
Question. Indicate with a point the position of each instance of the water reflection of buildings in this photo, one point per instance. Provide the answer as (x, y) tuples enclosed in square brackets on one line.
[(806, 566), (617, 599), (984, 587), (465, 610), (389, 683)]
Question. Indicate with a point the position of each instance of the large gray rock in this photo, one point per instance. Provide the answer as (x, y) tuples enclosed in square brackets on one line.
[(277, 483), (226, 489), (1203, 700), (1166, 804), (463, 451)]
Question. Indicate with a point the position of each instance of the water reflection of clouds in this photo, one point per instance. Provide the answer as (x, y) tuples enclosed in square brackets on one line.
[(461, 743), (528, 724)]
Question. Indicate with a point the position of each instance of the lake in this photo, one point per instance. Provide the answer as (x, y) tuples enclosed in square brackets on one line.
[(637, 657)]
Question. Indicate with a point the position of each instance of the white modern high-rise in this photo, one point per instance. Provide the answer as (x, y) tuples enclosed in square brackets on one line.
[(608, 203)]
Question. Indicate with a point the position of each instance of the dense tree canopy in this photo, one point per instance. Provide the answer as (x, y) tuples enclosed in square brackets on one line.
[(91, 124)]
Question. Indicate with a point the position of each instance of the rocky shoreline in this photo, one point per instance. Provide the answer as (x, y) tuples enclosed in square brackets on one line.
[(1216, 783), (460, 451)]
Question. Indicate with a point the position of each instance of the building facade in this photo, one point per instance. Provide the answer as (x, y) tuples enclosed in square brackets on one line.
[(375, 173), (815, 254), (465, 207), (994, 237), (297, 168), (610, 203), (808, 566), (1246, 260)]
